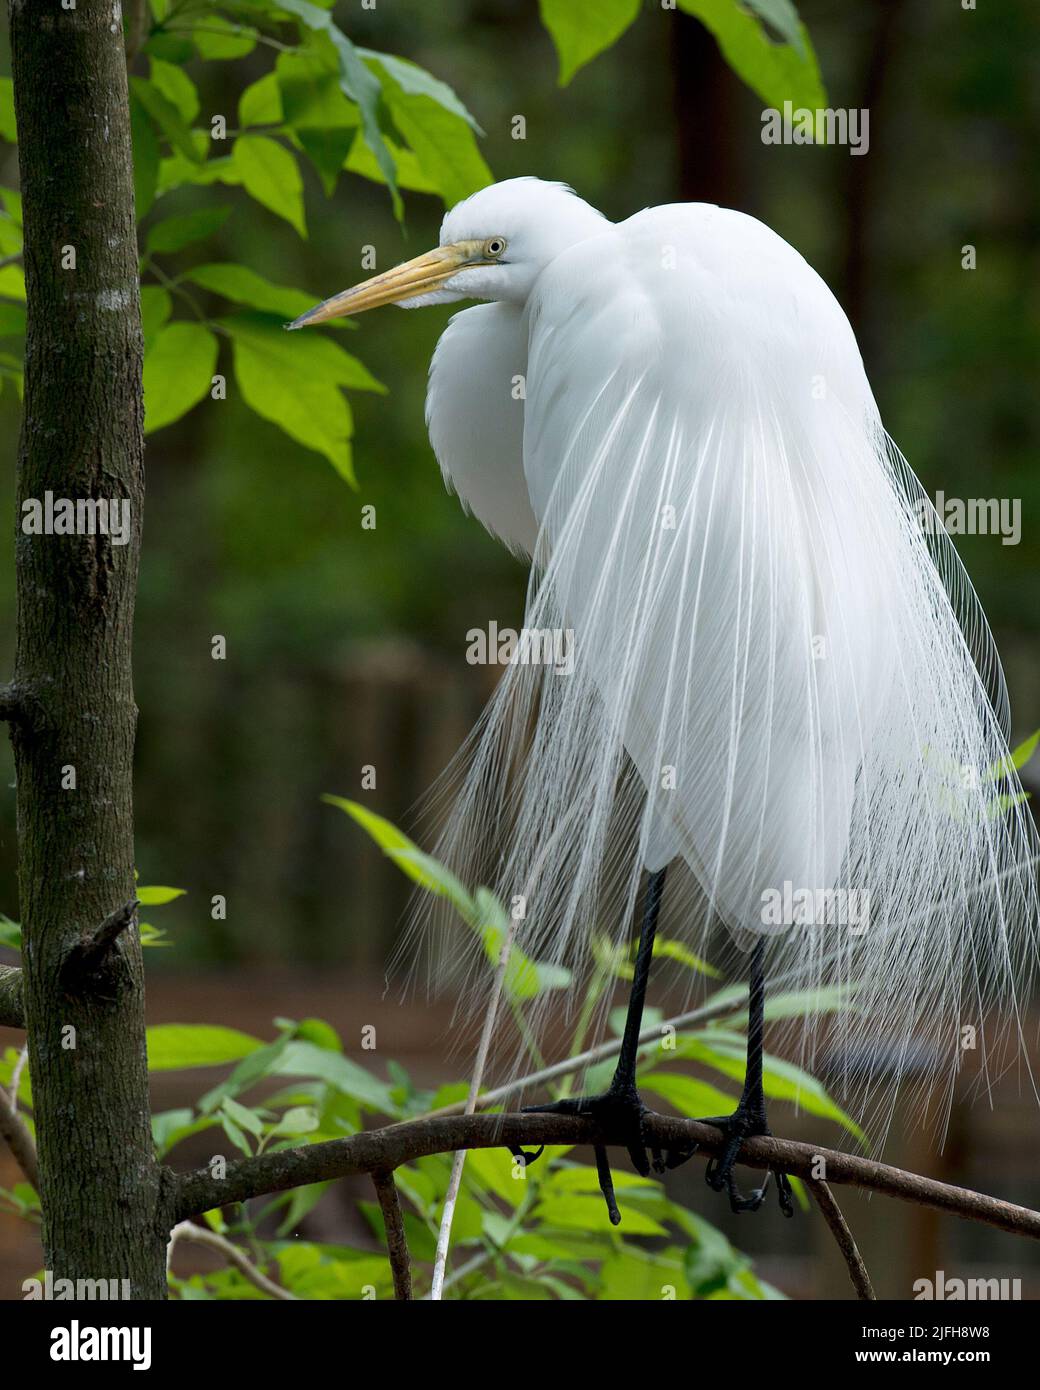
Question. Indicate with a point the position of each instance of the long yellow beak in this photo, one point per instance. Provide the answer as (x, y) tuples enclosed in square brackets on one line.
[(419, 276)]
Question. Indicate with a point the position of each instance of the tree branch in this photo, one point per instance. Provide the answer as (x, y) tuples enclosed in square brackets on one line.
[(12, 1003), (387, 1148), (835, 1219), (396, 1240), (88, 958), (15, 1132), (199, 1235)]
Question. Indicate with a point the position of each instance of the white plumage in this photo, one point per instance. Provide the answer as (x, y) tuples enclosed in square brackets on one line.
[(783, 680)]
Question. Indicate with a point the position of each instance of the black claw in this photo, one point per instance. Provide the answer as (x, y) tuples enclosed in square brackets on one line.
[(618, 1104), (528, 1158), (744, 1123), (606, 1184)]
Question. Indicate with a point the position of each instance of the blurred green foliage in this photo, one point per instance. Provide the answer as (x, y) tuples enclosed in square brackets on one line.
[(520, 1231)]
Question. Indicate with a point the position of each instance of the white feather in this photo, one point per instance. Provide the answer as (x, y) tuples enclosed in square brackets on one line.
[(798, 673)]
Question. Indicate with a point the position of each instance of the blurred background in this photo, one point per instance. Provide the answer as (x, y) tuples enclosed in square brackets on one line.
[(346, 646)]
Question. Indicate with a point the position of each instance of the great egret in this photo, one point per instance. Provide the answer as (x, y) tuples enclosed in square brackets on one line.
[(783, 684)]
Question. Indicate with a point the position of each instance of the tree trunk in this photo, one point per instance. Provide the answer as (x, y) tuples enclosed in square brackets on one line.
[(74, 733)]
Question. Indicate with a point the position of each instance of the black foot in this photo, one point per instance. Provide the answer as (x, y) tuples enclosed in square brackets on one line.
[(744, 1123), (618, 1109)]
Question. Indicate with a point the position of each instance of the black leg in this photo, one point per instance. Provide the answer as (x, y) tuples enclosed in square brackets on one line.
[(620, 1105), (749, 1118)]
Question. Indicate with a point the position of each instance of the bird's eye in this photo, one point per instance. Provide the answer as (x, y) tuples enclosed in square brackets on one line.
[(494, 247)]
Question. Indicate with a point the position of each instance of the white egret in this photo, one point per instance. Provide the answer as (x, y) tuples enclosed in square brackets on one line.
[(783, 685)]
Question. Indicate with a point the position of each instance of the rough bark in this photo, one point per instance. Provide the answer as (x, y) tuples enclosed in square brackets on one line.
[(81, 438), (12, 1012)]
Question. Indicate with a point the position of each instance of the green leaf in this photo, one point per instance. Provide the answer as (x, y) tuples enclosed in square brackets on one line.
[(693, 1098), (247, 1119), (218, 38), (178, 372), (776, 72), (639, 1276), (270, 174), (327, 149), (236, 1135), (362, 161), (590, 1214), (177, 87), (304, 1059), (10, 933), (584, 1178), (302, 1201), (146, 157), (156, 308), (1016, 760), (253, 1068), (277, 382), (444, 144), (174, 233), (173, 1046), (357, 83), (176, 170), (405, 852), (166, 116), (783, 17), (244, 286), (12, 321), (318, 1032), (158, 897), (261, 102), (12, 202), (171, 48), (781, 1080), (168, 1124), (581, 29), (10, 236), (7, 125), (492, 1170), (416, 81), (675, 950), (792, 1004), (301, 1119), (311, 94)]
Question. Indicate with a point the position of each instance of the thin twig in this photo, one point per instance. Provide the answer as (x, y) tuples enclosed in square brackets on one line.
[(846, 1241), (15, 1132), (650, 1036), (393, 1145), (16, 1074), (396, 1240), (455, 1181), (202, 1235)]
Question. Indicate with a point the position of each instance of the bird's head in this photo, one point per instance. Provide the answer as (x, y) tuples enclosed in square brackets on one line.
[(493, 245)]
